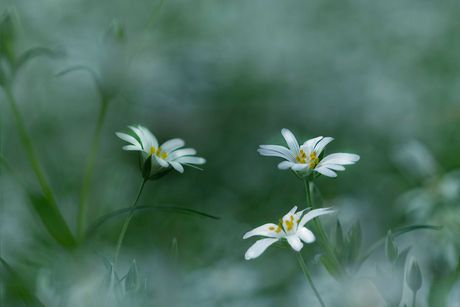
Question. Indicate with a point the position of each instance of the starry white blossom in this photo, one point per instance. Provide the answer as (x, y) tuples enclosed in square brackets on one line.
[(162, 157), (306, 159), (290, 227)]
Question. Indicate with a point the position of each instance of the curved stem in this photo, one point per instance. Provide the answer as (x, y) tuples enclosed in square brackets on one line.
[(125, 225), (304, 269), (319, 228), (31, 152), (83, 204)]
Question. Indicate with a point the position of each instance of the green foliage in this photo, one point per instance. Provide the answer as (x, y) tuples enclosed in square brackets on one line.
[(391, 248)]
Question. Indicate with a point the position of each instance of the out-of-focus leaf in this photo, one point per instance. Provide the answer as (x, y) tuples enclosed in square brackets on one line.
[(26, 294), (441, 288), (164, 208), (107, 284), (174, 251), (316, 196), (132, 279), (106, 262), (355, 237), (52, 220), (147, 168), (317, 258), (391, 248), (414, 276), (37, 51), (161, 174), (332, 267), (371, 249), (88, 69)]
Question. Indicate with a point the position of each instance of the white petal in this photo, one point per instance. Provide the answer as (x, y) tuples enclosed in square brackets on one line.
[(288, 215), (314, 213), (177, 166), (335, 167), (277, 151), (306, 235), (285, 165), (299, 167), (326, 172), (340, 158), (258, 248), (321, 144), (144, 140), (151, 138), (172, 145), (181, 152), (132, 147), (128, 138), (295, 243), (192, 160), (290, 140), (161, 161), (265, 231), (309, 145)]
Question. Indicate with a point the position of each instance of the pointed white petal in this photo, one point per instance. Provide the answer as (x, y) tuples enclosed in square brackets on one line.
[(340, 158), (128, 138), (162, 162), (181, 152), (295, 243), (192, 160), (306, 235), (299, 167), (335, 167), (285, 165), (172, 145), (152, 140), (258, 248), (321, 144), (309, 145), (277, 151), (132, 147), (290, 140), (326, 172), (287, 216), (144, 141), (314, 213), (177, 166), (265, 231)]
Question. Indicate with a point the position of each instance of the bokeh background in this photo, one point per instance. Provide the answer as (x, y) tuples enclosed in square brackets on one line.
[(381, 77)]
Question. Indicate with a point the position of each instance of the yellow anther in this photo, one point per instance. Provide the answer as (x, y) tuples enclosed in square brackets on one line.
[(292, 218), (301, 151), (271, 228), (316, 160), (314, 153), (164, 155), (298, 221), (302, 161), (304, 155), (297, 158), (278, 229), (152, 150), (158, 151), (312, 165)]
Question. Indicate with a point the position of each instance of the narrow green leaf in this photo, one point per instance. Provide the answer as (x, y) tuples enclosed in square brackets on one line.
[(391, 248), (174, 251), (106, 262), (132, 279), (52, 220), (164, 208), (26, 294), (331, 267), (355, 237)]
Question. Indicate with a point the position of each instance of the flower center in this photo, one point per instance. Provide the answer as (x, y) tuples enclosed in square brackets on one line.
[(313, 158), (157, 152)]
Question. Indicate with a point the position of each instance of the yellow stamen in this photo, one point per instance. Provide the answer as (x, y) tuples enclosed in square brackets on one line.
[(158, 151), (278, 229), (292, 218), (297, 158), (302, 161), (314, 153), (152, 150), (312, 165), (298, 221), (281, 221), (271, 228), (164, 155), (304, 155), (301, 152), (316, 160)]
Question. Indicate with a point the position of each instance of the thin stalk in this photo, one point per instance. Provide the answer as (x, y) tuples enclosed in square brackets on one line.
[(125, 225), (413, 298), (304, 269), (26, 140), (321, 233), (83, 204)]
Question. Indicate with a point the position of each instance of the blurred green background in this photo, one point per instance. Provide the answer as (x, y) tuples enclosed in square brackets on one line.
[(381, 77)]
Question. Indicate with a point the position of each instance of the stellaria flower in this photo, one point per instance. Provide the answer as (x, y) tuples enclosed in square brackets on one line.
[(290, 228), (162, 157), (306, 159)]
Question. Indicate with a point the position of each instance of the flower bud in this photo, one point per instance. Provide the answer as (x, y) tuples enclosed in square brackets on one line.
[(414, 276), (8, 32), (391, 249)]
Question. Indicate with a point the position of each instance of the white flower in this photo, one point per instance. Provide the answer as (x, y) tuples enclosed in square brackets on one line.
[(163, 157), (291, 228), (305, 159)]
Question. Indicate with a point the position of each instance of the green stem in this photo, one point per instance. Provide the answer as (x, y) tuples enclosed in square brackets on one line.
[(321, 232), (31, 152), (413, 299), (125, 225), (83, 204), (304, 269)]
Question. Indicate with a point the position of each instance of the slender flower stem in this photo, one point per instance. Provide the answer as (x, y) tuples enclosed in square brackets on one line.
[(125, 225), (31, 152), (304, 269), (413, 298), (83, 204), (321, 232)]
